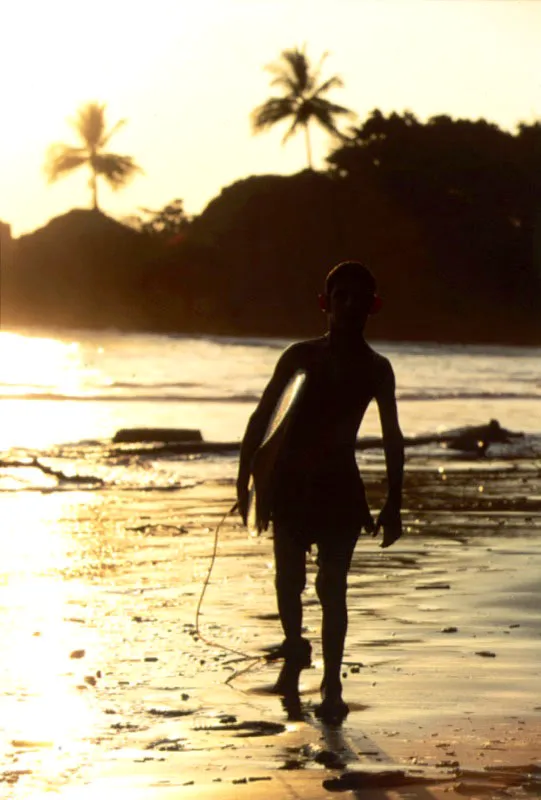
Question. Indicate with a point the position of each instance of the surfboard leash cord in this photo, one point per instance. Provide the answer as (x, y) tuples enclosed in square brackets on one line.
[(244, 656)]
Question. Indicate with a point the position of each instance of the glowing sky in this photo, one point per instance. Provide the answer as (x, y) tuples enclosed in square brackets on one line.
[(187, 74)]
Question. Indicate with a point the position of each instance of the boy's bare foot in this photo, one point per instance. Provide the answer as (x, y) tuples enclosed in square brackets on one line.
[(293, 707), (287, 684), (333, 711), (295, 651), (297, 656)]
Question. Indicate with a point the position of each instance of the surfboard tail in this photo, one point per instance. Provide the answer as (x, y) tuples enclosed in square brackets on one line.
[(259, 512), (267, 455)]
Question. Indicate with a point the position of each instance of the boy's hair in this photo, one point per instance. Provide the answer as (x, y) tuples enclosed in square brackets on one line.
[(351, 272)]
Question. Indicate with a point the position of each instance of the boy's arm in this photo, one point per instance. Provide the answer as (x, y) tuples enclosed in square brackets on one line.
[(393, 444), (257, 424)]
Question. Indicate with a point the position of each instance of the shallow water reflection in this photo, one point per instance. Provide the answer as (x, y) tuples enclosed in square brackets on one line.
[(46, 707)]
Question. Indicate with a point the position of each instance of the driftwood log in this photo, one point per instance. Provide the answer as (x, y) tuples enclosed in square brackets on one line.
[(470, 439), (130, 435), (474, 439)]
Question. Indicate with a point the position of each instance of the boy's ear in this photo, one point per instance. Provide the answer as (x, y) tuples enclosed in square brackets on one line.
[(323, 302), (377, 303)]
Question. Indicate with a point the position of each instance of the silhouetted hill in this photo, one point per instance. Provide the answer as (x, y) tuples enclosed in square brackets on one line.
[(446, 213), (85, 269), (446, 273), (277, 236), (81, 269)]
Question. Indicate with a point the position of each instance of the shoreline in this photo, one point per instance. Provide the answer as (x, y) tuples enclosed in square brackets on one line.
[(47, 327)]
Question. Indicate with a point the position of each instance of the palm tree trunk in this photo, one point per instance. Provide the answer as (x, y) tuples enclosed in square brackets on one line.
[(308, 146), (94, 189), (93, 183)]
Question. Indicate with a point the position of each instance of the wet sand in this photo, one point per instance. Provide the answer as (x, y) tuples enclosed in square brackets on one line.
[(442, 666)]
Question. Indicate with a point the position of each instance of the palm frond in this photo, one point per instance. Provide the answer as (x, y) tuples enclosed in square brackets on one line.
[(61, 159), (330, 108), (89, 124), (292, 72), (117, 170), (335, 82), (316, 72), (273, 110), (107, 136), (324, 113), (292, 128), (305, 111), (285, 77), (299, 66), (287, 83)]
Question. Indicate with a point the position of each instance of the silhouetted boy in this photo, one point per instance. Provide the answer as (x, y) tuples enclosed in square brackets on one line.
[(318, 495)]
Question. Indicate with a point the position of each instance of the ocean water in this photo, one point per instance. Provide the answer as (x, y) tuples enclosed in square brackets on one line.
[(65, 394), (82, 570)]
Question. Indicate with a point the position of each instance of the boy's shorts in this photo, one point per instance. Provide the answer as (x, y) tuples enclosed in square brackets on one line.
[(326, 510), (337, 549)]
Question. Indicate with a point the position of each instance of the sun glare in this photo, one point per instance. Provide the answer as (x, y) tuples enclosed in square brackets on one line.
[(45, 714), (39, 364), (35, 373)]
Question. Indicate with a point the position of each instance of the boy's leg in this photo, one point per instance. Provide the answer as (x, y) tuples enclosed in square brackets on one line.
[(290, 580), (331, 586)]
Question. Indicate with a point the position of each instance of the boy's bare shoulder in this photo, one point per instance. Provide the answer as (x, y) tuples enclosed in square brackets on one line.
[(381, 361), (300, 355), (383, 367)]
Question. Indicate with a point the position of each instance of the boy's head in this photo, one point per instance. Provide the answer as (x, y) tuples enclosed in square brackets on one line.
[(350, 295)]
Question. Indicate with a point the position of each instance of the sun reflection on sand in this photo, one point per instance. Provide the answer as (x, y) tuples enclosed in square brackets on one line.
[(47, 706)]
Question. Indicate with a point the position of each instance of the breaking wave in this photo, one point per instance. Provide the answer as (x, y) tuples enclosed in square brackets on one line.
[(133, 398), (150, 396)]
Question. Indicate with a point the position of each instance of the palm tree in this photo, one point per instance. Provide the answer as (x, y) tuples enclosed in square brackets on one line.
[(302, 100), (90, 126)]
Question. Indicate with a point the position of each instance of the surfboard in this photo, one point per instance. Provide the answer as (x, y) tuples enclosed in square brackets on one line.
[(265, 458)]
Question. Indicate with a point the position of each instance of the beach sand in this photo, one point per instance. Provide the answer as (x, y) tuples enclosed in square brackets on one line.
[(442, 665)]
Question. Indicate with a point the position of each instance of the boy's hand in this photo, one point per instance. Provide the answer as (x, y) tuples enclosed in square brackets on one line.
[(242, 499), (389, 519)]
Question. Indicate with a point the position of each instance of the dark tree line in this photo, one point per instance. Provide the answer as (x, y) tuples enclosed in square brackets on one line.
[(447, 213), (476, 193)]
